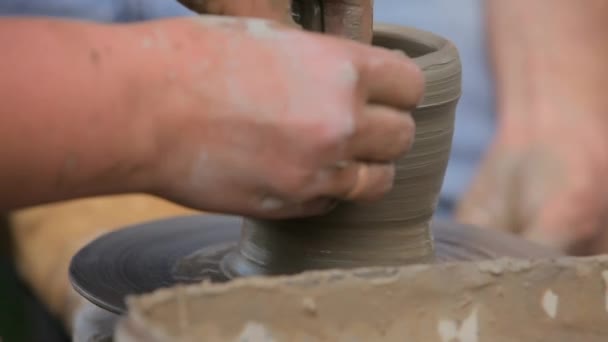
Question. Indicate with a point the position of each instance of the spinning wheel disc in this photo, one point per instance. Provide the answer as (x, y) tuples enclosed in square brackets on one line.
[(146, 257)]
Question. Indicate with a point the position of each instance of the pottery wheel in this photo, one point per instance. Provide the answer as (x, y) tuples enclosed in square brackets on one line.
[(160, 254)]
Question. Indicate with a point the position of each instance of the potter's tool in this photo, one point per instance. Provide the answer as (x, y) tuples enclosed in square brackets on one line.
[(308, 14), (394, 231)]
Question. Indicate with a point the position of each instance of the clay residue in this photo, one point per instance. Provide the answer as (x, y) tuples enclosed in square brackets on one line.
[(550, 303), (449, 302), (258, 28), (465, 331), (203, 264)]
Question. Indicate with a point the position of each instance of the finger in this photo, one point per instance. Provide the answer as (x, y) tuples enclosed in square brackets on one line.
[(382, 134), (489, 201), (295, 210), (356, 181), (561, 225), (351, 19), (390, 78)]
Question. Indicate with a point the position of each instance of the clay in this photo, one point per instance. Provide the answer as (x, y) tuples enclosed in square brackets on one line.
[(501, 300), (393, 231)]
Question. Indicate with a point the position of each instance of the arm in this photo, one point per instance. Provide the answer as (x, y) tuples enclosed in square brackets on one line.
[(544, 175), (549, 53), (69, 121), (155, 107)]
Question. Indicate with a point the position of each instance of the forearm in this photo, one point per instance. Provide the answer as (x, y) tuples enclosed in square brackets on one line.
[(549, 59), (70, 120)]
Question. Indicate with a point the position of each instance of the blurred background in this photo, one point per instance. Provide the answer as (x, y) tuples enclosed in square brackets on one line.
[(22, 316)]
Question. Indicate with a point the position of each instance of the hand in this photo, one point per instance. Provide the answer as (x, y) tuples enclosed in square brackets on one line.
[(346, 18), (545, 180), (278, 122), (276, 10)]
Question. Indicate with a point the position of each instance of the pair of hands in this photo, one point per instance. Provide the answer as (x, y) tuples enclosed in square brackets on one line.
[(265, 120)]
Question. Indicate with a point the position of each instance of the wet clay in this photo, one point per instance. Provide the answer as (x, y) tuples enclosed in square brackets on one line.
[(189, 249), (393, 231), (501, 300)]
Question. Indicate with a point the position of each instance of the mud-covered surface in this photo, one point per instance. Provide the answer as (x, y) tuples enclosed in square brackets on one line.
[(565, 299)]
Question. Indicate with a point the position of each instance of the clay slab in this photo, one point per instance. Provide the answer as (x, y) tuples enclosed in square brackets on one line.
[(503, 300)]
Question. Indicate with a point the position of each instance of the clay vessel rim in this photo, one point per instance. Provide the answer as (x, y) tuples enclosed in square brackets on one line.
[(309, 280), (441, 50), (436, 56)]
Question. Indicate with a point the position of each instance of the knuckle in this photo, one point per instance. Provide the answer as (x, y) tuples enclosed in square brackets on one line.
[(407, 134), (382, 181), (331, 132), (418, 82), (403, 131), (388, 179)]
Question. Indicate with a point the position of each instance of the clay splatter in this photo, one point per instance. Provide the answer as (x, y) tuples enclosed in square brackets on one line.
[(255, 332), (147, 43), (494, 268), (468, 332), (261, 28), (258, 28), (310, 305), (348, 73), (550, 303)]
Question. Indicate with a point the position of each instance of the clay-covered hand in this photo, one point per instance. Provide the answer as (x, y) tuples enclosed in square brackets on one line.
[(545, 179), (276, 122)]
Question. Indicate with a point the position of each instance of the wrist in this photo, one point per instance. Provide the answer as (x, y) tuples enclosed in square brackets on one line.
[(550, 66), (134, 87), (160, 74), (542, 101)]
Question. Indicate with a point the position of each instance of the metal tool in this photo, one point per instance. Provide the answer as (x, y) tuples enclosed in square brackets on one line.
[(308, 14)]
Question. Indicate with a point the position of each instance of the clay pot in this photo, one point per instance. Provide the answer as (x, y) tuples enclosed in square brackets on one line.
[(393, 231), (498, 301)]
